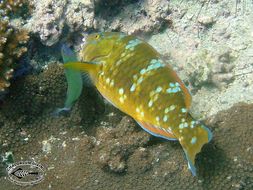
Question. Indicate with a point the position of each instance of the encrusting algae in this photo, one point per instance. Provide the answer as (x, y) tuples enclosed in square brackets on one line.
[(132, 75)]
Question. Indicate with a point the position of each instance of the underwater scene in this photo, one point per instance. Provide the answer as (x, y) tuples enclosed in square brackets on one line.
[(126, 94)]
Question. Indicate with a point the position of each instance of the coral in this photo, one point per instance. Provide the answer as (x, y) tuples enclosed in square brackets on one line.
[(141, 16), (12, 41), (114, 145), (51, 17), (80, 15), (47, 20)]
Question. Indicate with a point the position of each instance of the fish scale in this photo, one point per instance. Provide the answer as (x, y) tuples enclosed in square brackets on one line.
[(132, 75)]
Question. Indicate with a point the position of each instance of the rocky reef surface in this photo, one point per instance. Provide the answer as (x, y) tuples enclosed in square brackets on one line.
[(211, 44), (51, 17), (96, 146)]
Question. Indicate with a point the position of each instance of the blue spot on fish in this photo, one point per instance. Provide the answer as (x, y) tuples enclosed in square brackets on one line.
[(158, 89), (140, 80), (132, 43), (169, 90), (193, 140), (133, 87), (165, 118), (181, 126), (174, 88), (172, 84), (183, 110), (154, 64), (143, 71), (150, 103)]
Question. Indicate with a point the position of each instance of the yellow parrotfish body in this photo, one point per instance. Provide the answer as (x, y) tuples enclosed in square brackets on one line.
[(131, 75)]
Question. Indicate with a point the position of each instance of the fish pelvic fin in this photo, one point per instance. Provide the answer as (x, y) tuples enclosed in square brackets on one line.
[(192, 139)]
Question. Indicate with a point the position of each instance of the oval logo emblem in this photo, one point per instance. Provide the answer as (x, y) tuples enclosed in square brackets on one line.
[(25, 173)]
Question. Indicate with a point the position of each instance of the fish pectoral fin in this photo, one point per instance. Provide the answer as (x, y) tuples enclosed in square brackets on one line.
[(81, 66), (156, 131), (74, 78)]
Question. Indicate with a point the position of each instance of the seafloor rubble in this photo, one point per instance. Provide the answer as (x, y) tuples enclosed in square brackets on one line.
[(97, 147)]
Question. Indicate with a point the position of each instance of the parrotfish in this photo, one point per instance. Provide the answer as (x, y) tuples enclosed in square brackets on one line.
[(134, 77)]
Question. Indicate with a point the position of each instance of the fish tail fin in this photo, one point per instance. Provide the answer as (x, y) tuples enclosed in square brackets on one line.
[(82, 66), (191, 163), (210, 135), (194, 136)]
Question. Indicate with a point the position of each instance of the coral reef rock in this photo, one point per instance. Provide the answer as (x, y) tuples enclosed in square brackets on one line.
[(212, 48), (114, 145), (138, 17), (12, 42), (47, 20), (50, 17), (96, 146)]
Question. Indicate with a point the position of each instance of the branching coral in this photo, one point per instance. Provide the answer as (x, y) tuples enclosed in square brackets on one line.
[(12, 5), (12, 42)]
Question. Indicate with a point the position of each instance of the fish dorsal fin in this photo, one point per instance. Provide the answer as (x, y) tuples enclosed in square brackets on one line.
[(156, 131)]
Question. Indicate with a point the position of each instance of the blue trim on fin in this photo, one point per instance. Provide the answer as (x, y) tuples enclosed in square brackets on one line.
[(191, 166), (60, 111), (156, 135), (210, 135)]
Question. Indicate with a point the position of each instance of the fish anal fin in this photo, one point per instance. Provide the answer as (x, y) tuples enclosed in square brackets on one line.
[(156, 131)]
